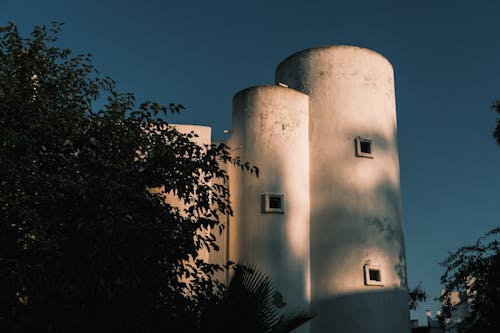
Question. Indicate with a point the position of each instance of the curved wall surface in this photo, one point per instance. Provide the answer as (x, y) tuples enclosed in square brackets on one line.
[(355, 204), (270, 129)]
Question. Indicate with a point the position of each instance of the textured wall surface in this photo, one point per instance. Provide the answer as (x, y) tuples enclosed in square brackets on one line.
[(270, 129), (356, 216)]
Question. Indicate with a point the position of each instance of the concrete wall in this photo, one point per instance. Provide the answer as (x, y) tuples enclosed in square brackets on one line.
[(270, 129), (355, 201)]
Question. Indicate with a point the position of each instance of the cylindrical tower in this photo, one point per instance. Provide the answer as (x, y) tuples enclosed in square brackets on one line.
[(270, 226), (358, 271)]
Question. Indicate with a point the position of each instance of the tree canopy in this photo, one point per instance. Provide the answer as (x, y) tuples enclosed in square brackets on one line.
[(472, 285), (496, 133), (89, 241), (105, 207), (416, 296)]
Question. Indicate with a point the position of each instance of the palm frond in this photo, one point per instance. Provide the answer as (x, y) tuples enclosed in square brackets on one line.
[(290, 320), (251, 296)]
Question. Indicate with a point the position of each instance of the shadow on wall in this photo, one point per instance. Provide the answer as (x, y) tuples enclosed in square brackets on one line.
[(355, 216), (282, 252), (373, 309), (356, 220)]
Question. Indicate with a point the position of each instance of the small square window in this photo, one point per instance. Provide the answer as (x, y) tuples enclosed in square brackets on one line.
[(373, 277), (273, 203), (364, 147)]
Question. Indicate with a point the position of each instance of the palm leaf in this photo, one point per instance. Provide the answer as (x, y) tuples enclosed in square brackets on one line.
[(248, 305)]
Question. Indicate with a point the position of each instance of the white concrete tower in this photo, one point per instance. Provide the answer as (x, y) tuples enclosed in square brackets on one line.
[(270, 226), (357, 256)]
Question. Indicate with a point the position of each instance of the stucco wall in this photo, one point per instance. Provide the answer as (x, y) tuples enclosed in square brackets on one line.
[(270, 129), (356, 216)]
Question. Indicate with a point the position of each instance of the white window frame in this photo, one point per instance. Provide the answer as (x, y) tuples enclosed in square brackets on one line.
[(359, 152), (370, 282), (266, 200)]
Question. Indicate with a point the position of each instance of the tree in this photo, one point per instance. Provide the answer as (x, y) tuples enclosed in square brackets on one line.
[(104, 207), (415, 296), (472, 282), (496, 133), (89, 241)]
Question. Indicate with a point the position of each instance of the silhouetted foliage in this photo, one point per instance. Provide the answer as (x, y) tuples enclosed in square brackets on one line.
[(415, 296), (496, 133), (474, 272), (89, 241), (251, 305)]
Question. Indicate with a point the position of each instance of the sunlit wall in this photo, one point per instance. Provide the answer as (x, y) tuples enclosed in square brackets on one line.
[(270, 129), (356, 217)]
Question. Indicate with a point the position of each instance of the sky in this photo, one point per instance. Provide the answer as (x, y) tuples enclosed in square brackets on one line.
[(445, 54)]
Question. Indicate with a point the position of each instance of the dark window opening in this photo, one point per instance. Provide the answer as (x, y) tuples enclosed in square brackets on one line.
[(275, 202), (366, 147), (374, 275)]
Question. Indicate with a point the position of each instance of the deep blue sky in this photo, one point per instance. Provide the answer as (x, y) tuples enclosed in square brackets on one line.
[(445, 53)]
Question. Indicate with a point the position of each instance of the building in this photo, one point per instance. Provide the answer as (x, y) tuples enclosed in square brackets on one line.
[(324, 216), (461, 301)]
